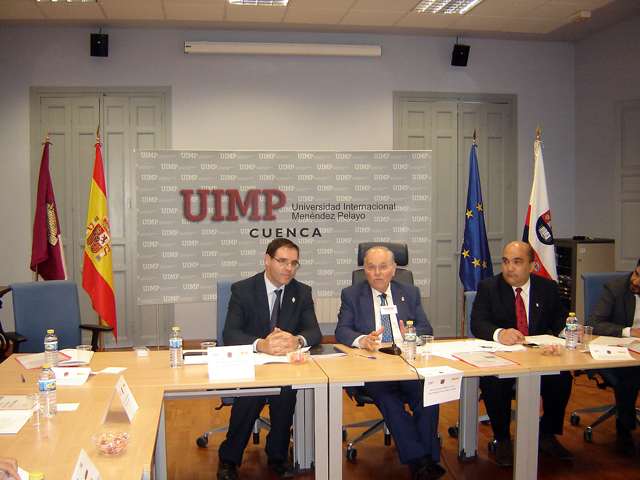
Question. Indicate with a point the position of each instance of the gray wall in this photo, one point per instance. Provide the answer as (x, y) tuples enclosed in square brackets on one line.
[(607, 70), (268, 102)]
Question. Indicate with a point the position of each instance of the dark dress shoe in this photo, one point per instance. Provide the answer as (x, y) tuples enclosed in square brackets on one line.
[(549, 445), (281, 468), (227, 470), (504, 453), (625, 443), (432, 471)]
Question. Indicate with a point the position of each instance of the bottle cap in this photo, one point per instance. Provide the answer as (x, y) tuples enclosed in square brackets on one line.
[(46, 365), (36, 476), (409, 322), (176, 328), (50, 330), (572, 314)]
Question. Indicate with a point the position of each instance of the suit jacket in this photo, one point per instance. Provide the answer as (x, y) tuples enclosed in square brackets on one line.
[(615, 308), (357, 317), (248, 313), (495, 307)]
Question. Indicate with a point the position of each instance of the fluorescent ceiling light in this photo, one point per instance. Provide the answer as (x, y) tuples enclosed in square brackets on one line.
[(266, 3), (445, 6), (239, 48)]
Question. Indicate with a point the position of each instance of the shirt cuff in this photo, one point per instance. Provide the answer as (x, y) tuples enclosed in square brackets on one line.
[(626, 332), (356, 342), (496, 334)]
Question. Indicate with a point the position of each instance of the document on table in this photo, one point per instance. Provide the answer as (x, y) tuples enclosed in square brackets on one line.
[(12, 421), (609, 352), (540, 339), (15, 402), (264, 358), (31, 362), (72, 361), (449, 349), (485, 360), (604, 340)]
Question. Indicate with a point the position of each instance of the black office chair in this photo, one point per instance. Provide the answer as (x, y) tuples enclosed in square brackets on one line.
[(593, 288), (224, 295), (8, 340), (401, 254), (39, 306)]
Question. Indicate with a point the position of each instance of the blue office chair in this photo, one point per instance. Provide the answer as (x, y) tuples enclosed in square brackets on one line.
[(402, 275), (224, 295), (39, 306), (593, 288)]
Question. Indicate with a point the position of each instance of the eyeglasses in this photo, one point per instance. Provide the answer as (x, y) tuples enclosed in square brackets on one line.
[(283, 262), (373, 268)]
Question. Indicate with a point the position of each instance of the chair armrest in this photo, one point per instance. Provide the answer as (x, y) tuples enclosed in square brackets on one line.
[(16, 339), (95, 330)]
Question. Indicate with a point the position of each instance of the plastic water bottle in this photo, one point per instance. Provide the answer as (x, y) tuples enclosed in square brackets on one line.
[(47, 386), (51, 348), (410, 338), (571, 331), (175, 348)]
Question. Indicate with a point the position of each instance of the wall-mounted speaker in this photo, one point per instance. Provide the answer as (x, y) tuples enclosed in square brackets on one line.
[(99, 45), (460, 55)]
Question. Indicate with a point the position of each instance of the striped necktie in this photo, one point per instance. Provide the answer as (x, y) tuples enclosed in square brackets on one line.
[(385, 320)]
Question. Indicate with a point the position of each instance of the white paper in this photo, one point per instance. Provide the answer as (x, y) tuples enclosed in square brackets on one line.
[(73, 358), (12, 421), (604, 340), (74, 376), (264, 358), (609, 352), (24, 475), (35, 361), (113, 370), (232, 362), (85, 468), (68, 407), (448, 349), (441, 384), (15, 402), (539, 339)]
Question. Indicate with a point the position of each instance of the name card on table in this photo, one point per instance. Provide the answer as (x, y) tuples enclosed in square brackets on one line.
[(441, 384), (126, 397), (231, 362), (85, 468)]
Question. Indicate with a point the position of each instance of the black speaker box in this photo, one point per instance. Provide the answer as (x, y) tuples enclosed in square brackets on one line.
[(99, 45), (460, 55)]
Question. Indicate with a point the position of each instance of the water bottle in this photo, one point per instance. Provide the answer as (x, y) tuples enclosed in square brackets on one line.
[(409, 349), (571, 331), (51, 348), (175, 349), (47, 386)]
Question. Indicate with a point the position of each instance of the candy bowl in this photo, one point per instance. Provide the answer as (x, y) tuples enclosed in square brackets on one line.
[(551, 349), (111, 443), (298, 357)]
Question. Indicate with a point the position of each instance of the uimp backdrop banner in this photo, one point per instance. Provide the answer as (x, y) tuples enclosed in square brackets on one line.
[(204, 216)]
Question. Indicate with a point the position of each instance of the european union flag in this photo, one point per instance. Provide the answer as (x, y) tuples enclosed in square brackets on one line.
[(475, 260)]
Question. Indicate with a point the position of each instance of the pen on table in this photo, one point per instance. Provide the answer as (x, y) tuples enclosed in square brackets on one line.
[(366, 356), (23, 380)]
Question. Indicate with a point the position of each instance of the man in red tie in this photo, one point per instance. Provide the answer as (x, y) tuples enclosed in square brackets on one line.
[(507, 307)]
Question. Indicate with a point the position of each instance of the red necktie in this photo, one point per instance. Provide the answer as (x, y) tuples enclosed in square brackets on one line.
[(521, 314)]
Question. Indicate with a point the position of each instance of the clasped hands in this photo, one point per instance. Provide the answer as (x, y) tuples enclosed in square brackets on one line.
[(369, 341), (277, 342), (510, 336)]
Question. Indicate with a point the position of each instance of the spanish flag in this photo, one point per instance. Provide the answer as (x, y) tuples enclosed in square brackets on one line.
[(97, 271)]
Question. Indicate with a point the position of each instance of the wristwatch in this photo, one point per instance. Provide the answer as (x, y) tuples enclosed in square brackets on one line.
[(300, 341)]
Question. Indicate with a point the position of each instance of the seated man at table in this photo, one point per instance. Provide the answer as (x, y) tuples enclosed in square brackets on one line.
[(507, 307), (617, 314), (361, 325), (275, 313)]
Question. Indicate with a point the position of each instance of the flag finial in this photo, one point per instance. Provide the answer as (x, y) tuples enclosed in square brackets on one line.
[(98, 134), (474, 136), (538, 132), (46, 140)]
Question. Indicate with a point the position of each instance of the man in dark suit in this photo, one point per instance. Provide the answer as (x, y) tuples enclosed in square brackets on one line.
[(494, 318), (275, 313), (360, 325), (617, 314)]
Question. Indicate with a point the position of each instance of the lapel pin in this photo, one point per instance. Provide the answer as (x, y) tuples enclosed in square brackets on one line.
[(402, 298), (293, 299)]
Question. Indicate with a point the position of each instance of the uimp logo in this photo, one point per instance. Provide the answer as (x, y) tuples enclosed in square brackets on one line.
[(229, 241), (209, 253), (150, 244), (401, 187), (247, 166), (420, 176), (419, 198), (149, 154), (149, 221), (150, 266), (305, 177), (325, 251), (210, 274), (420, 218), (419, 239), (169, 166), (381, 198), (363, 166), (190, 264), (401, 166), (149, 199), (171, 298), (170, 254), (381, 177), (400, 229), (191, 286), (324, 166), (229, 263), (381, 156), (148, 176), (251, 206), (169, 233), (188, 177), (169, 188), (208, 166), (188, 155), (170, 276), (419, 155), (381, 219), (190, 243)]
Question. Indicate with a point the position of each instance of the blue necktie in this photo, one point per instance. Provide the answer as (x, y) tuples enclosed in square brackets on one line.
[(385, 320), (275, 312)]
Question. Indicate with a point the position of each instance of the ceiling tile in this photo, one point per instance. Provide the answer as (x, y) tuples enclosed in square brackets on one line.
[(505, 8), (20, 11), (426, 20), (74, 11), (133, 10), (489, 24), (554, 11), (533, 25), (343, 5), (205, 13), (381, 19), (385, 5), (251, 13), (313, 16)]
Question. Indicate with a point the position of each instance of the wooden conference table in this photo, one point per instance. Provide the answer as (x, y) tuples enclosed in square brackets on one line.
[(54, 448), (352, 370)]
